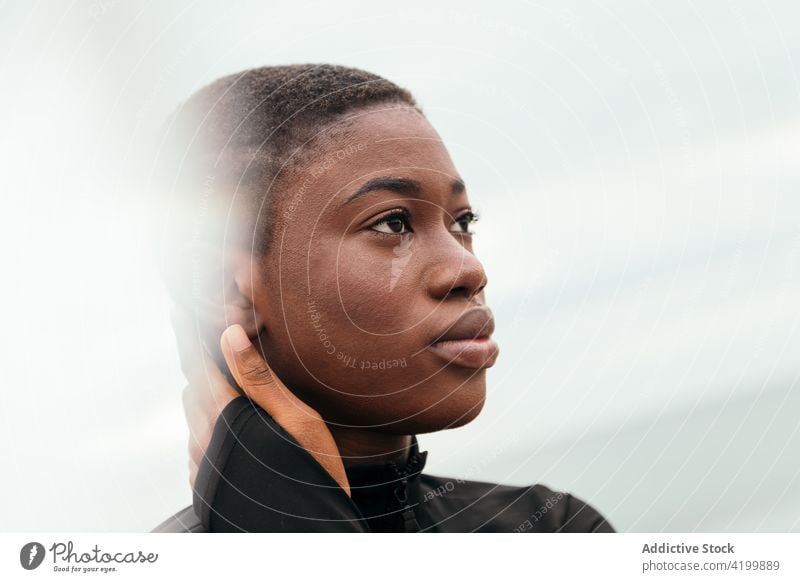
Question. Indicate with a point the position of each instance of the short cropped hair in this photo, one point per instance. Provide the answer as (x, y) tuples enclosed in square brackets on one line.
[(241, 134)]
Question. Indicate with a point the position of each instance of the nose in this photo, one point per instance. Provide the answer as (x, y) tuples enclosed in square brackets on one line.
[(454, 271)]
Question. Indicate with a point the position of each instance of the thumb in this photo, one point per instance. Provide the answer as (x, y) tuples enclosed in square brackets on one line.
[(263, 386), (257, 379)]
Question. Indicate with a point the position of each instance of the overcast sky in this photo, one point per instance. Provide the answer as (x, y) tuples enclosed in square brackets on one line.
[(636, 166)]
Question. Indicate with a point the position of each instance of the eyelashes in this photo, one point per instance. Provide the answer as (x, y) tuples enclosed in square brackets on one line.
[(390, 223), (398, 222), (466, 219)]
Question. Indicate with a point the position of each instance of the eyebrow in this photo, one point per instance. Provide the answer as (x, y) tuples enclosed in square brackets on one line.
[(404, 186)]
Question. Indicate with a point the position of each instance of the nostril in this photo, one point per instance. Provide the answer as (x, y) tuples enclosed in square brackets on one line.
[(459, 291), (467, 292)]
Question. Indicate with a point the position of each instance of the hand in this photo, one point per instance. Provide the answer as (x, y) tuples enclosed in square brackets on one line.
[(209, 392)]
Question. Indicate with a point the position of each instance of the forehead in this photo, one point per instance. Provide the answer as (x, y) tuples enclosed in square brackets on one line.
[(382, 140)]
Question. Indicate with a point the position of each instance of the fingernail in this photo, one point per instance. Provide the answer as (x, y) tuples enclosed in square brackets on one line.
[(237, 338)]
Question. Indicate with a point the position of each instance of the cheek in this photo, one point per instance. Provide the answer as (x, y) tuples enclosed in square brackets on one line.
[(354, 321), (375, 287), (339, 311)]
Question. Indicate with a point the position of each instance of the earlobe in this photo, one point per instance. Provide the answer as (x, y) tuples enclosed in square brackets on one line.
[(242, 306), (217, 288)]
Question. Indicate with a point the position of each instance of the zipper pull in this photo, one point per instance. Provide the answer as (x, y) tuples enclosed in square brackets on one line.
[(410, 523), (400, 492)]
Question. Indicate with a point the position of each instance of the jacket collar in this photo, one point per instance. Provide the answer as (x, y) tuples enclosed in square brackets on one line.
[(388, 472), (387, 493)]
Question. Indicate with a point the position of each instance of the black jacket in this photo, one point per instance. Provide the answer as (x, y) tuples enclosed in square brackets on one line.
[(257, 478)]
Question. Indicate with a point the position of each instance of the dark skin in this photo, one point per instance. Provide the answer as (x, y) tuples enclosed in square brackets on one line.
[(356, 285)]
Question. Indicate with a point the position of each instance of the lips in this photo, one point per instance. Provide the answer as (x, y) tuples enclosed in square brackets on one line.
[(467, 341)]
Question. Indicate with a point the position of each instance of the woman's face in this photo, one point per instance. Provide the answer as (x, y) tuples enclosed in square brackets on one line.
[(370, 264)]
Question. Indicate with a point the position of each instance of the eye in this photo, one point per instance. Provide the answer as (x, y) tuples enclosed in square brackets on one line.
[(462, 223), (396, 222)]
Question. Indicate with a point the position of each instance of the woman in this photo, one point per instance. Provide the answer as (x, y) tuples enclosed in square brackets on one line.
[(326, 232)]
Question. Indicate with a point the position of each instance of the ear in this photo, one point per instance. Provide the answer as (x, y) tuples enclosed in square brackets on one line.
[(243, 276), (221, 287)]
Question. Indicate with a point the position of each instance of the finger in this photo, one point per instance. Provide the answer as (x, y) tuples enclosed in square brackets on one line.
[(198, 444), (257, 379), (215, 392), (199, 368), (192, 473), (187, 340), (199, 424), (193, 410)]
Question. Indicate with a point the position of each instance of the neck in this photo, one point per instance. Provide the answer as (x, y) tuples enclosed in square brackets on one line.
[(361, 446)]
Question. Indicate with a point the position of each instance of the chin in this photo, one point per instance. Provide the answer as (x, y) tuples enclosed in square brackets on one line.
[(452, 410)]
